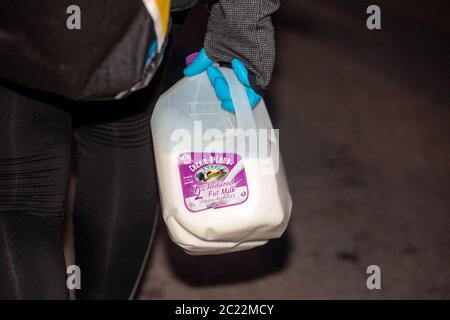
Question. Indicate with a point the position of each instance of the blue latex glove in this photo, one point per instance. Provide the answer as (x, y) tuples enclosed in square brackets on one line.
[(202, 62)]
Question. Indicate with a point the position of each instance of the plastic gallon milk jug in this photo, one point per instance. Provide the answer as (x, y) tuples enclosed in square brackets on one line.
[(220, 176)]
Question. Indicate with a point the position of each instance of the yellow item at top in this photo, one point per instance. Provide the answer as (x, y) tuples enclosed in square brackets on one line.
[(159, 11)]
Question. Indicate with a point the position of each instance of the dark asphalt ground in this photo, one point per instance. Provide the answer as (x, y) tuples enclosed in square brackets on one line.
[(364, 118)]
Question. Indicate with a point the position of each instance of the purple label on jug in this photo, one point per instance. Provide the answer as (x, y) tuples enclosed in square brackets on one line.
[(212, 180)]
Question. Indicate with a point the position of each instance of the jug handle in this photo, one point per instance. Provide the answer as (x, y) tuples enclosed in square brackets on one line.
[(244, 114)]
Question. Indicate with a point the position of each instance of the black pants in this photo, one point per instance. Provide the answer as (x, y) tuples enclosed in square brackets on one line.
[(115, 200)]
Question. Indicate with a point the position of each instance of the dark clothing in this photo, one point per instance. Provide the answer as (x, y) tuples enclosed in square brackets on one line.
[(180, 5), (243, 29), (115, 200), (106, 58)]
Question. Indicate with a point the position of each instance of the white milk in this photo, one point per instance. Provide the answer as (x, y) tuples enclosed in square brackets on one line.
[(222, 201)]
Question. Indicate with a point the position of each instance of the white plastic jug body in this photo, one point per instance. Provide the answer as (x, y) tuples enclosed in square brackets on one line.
[(215, 200)]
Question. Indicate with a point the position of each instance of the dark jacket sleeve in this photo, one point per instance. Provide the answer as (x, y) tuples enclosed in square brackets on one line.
[(243, 29)]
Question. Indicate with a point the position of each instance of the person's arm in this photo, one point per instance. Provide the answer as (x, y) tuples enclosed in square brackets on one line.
[(239, 33), (243, 29)]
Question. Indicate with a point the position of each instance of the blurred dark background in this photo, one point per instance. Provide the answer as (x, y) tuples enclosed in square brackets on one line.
[(364, 119)]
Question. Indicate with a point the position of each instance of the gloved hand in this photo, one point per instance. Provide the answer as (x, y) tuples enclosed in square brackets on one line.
[(199, 62)]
